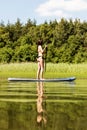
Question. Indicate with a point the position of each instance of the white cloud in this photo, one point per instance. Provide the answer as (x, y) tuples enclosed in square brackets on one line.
[(76, 5), (61, 7)]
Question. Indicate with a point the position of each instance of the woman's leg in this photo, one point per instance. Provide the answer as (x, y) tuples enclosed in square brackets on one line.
[(42, 68), (38, 70)]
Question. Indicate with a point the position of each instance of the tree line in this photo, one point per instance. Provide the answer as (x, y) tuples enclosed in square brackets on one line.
[(66, 40)]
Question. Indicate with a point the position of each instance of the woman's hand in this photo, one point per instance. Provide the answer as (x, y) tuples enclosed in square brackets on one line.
[(45, 46)]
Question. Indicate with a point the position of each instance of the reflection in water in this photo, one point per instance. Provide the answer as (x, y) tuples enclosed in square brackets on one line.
[(41, 113), (63, 108)]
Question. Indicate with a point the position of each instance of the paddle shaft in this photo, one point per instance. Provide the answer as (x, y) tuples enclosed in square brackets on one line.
[(45, 59)]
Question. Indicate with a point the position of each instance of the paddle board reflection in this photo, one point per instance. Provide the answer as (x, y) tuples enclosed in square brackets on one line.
[(41, 112)]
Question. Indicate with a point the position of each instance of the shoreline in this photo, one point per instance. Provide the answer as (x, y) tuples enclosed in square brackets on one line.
[(29, 70)]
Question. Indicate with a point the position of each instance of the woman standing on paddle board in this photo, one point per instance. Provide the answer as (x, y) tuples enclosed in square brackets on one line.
[(40, 60)]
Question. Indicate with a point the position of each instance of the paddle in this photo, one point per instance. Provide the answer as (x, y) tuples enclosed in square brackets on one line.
[(45, 58)]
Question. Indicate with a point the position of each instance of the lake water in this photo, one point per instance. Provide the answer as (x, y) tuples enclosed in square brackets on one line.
[(43, 106)]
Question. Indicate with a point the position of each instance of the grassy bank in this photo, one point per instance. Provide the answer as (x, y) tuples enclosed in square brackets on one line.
[(52, 70)]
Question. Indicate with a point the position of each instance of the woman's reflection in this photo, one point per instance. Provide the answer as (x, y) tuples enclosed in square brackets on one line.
[(41, 117)]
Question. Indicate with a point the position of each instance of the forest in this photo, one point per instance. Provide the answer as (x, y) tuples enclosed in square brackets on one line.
[(66, 41)]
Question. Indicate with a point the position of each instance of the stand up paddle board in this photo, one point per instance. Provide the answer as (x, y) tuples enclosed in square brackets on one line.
[(42, 80)]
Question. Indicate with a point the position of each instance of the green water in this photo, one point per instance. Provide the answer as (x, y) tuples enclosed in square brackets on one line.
[(47, 106)]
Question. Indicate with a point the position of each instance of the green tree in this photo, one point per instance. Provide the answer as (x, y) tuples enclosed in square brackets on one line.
[(6, 55)]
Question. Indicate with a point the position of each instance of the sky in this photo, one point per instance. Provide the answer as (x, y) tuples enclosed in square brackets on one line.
[(42, 10)]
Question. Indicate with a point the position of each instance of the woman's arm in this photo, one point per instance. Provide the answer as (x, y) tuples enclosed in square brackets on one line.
[(40, 50), (44, 48)]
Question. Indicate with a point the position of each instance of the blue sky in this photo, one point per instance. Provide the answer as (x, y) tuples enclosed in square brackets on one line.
[(42, 10)]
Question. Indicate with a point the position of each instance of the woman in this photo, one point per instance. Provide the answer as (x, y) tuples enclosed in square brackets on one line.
[(40, 60)]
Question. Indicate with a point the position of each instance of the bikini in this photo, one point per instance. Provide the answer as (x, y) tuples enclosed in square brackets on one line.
[(40, 56)]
